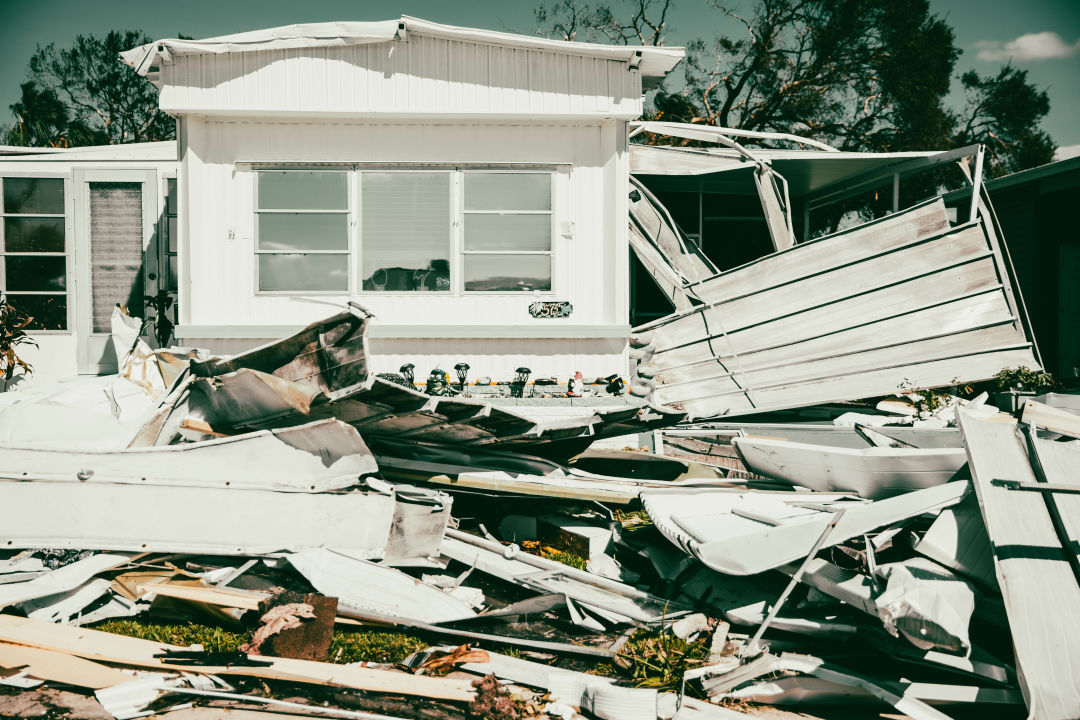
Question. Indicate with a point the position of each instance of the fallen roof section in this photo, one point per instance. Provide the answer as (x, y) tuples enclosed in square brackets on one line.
[(904, 298)]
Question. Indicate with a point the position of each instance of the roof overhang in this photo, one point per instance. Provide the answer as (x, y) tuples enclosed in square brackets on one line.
[(650, 61)]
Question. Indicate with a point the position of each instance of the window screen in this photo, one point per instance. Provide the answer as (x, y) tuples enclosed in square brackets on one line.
[(116, 251), (303, 231), (33, 250), (507, 231)]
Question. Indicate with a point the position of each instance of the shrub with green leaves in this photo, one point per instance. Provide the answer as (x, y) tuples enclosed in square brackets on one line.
[(1024, 378)]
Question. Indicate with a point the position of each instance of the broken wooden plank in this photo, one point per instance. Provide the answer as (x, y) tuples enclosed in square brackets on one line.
[(1040, 589), (60, 667), (106, 647)]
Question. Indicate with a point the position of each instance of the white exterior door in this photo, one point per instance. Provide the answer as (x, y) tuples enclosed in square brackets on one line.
[(116, 221)]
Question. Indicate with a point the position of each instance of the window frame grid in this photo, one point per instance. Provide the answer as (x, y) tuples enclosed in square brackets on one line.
[(165, 252), (354, 173), (552, 234), (66, 253), (350, 222)]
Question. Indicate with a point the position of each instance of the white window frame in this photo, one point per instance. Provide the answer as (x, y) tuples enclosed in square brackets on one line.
[(351, 250), (452, 219), (68, 253), (456, 219), (462, 212)]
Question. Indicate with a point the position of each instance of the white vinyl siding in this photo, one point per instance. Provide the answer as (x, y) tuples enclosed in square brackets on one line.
[(33, 250), (423, 75), (419, 230)]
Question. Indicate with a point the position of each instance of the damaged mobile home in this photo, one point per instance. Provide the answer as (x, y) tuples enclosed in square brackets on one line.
[(247, 465)]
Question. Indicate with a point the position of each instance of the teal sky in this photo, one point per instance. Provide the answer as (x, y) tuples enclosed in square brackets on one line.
[(988, 31)]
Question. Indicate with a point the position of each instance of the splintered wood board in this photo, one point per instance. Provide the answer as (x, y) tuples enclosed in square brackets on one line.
[(1041, 593), (60, 667), (121, 650)]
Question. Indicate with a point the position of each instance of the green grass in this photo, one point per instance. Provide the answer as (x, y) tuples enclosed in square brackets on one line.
[(374, 646), (566, 558), (213, 639), (366, 645), (633, 520)]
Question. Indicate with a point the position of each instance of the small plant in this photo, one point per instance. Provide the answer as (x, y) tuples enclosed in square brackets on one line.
[(633, 520), (13, 326), (926, 402), (535, 547), (658, 659), (1023, 378)]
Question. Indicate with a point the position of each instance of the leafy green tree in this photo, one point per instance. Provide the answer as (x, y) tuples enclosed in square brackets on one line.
[(1003, 113), (858, 74), (103, 101), (43, 120)]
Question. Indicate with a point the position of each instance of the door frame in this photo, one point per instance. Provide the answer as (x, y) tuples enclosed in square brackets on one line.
[(93, 350)]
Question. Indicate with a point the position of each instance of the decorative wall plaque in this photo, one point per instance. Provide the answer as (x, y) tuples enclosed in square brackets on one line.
[(558, 309)]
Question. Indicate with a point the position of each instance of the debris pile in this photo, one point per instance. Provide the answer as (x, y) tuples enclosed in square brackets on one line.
[(283, 530)]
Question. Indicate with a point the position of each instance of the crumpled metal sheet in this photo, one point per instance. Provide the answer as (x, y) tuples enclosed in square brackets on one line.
[(319, 456), (321, 372), (222, 521), (367, 588)]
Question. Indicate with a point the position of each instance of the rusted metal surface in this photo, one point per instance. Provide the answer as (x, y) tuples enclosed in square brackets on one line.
[(311, 640), (322, 372)]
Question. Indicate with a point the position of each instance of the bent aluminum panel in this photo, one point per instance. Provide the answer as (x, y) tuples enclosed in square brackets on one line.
[(191, 519), (319, 456), (855, 314)]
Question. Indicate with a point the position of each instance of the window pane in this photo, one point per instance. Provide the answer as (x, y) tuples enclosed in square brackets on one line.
[(406, 231), (507, 191), (174, 235), (36, 273), (303, 231), (304, 272), (48, 311), (302, 190), (33, 234), (170, 196), (34, 195), (507, 232), (173, 284), (508, 272)]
